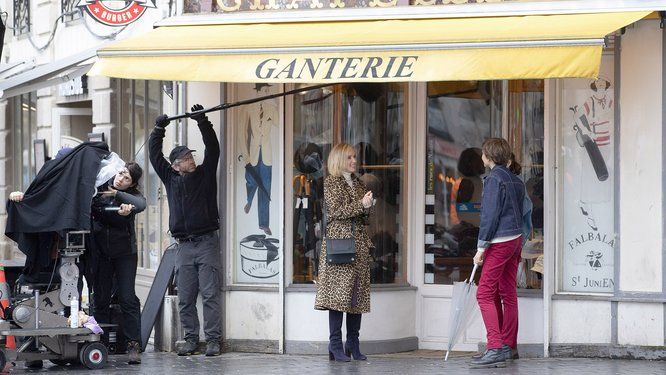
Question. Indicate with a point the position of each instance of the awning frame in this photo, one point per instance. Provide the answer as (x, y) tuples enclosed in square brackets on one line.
[(48, 74), (361, 48), (470, 41), (474, 10)]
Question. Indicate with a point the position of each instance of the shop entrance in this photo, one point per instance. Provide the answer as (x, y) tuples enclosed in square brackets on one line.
[(459, 117)]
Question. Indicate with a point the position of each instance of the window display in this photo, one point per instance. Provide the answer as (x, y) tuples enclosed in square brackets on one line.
[(461, 115), (459, 119), (526, 136), (370, 117)]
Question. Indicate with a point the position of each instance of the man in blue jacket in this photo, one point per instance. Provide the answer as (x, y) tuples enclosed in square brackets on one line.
[(193, 222)]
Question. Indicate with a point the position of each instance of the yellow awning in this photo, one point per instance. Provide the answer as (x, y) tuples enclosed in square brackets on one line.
[(436, 49)]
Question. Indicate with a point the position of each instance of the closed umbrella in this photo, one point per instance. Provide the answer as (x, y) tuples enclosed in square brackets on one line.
[(463, 309)]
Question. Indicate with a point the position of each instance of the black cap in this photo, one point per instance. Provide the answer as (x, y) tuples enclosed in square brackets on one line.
[(178, 152)]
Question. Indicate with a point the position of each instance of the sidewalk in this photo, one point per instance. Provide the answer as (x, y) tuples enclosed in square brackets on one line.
[(418, 362)]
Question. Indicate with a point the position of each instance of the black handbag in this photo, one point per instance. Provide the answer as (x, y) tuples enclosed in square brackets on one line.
[(338, 250)]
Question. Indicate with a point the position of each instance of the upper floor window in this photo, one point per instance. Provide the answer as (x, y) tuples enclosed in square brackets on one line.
[(70, 11), (21, 17), (23, 117)]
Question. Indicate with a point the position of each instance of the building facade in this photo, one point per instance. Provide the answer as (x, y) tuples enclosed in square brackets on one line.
[(591, 276)]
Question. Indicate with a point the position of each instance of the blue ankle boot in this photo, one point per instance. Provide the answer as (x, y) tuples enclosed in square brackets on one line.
[(335, 349), (352, 346)]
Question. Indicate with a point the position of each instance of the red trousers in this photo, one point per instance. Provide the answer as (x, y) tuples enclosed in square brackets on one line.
[(496, 293)]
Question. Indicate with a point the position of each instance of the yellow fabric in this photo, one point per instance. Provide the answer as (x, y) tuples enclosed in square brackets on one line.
[(208, 46)]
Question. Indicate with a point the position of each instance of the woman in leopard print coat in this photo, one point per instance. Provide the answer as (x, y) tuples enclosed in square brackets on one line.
[(345, 287)]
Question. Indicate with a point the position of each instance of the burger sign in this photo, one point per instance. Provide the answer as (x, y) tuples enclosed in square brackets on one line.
[(116, 13)]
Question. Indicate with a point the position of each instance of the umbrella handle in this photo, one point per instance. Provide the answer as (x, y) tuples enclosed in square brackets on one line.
[(471, 277)]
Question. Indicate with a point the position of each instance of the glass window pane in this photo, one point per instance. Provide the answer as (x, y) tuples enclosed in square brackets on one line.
[(526, 136), (313, 126), (17, 111), (152, 182), (28, 131), (372, 121), (370, 117), (458, 120), (124, 146), (138, 112)]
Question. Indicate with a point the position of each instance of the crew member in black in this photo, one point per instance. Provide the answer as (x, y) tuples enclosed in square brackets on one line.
[(193, 222), (114, 243)]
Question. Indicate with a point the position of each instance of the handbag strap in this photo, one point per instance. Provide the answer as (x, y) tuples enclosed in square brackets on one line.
[(324, 219)]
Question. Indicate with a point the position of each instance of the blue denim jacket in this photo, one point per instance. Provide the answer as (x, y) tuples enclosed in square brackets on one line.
[(501, 206), (527, 217)]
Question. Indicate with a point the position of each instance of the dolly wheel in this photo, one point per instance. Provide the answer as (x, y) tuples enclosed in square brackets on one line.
[(93, 355)]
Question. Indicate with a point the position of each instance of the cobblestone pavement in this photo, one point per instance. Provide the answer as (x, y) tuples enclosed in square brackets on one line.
[(419, 362)]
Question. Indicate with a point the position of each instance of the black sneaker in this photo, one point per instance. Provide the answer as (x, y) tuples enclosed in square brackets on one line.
[(212, 348), (134, 351), (189, 347), (492, 358), (478, 355)]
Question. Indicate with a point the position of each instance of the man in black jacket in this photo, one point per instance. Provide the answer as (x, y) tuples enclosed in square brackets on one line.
[(193, 222)]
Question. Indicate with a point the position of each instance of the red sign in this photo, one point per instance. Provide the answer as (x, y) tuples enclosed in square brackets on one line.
[(130, 11)]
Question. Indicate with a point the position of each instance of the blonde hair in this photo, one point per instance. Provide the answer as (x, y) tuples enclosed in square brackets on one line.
[(337, 159)]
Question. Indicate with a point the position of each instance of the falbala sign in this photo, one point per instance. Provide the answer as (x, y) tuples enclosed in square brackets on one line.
[(108, 13)]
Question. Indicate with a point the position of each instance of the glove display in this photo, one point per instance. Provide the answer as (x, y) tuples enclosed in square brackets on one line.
[(198, 117), (162, 121)]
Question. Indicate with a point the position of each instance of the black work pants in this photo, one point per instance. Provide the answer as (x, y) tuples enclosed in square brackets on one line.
[(123, 271)]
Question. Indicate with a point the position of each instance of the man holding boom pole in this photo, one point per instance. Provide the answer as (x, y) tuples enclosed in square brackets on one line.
[(193, 222)]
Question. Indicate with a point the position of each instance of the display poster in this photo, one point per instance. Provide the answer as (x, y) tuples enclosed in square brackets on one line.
[(587, 150), (257, 174)]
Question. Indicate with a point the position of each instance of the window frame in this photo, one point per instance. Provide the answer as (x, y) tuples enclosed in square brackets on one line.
[(21, 17)]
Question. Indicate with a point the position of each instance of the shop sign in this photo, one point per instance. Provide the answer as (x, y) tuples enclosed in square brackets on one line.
[(76, 86), (336, 68), (104, 11), (254, 5), (588, 223)]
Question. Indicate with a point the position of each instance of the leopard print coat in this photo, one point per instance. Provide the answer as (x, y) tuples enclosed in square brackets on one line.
[(345, 287)]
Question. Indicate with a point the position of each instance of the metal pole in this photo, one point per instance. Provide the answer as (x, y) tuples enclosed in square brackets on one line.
[(37, 317), (225, 106)]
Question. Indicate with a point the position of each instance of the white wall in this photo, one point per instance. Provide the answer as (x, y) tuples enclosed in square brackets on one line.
[(641, 169), (581, 322), (392, 316), (208, 95), (252, 315), (640, 324), (640, 159)]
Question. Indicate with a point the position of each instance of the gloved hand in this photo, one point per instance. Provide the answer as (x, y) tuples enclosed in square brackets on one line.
[(162, 121), (200, 116)]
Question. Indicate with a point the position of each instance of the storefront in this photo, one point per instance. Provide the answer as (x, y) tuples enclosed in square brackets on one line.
[(417, 106)]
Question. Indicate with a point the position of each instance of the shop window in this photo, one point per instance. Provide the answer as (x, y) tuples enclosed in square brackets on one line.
[(70, 11), (586, 257), (24, 130), (200, 6), (137, 104), (370, 117), (526, 136), (460, 116)]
